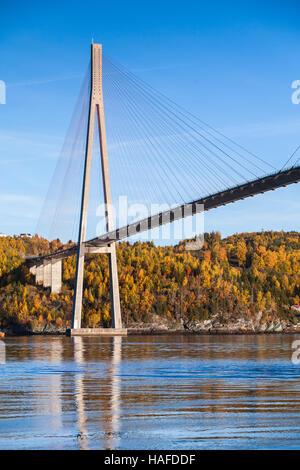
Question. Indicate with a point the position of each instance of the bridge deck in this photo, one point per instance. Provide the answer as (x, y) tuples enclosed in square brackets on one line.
[(258, 186)]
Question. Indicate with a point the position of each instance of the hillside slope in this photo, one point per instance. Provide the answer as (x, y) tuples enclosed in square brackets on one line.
[(248, 279)]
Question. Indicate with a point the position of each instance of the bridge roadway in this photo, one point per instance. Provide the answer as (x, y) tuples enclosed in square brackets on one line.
[(250, 189)]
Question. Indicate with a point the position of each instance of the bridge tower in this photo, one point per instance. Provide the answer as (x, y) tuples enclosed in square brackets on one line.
[(96, 108)]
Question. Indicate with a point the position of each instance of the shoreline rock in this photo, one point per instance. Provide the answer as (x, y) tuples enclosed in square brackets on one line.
[(218, 325)]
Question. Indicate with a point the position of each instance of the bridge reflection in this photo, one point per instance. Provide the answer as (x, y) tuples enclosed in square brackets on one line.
[(55, 404), (108, 405), (66, 393), (79, 393)]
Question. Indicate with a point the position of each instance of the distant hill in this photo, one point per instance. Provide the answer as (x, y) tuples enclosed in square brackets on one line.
[(244, 276)]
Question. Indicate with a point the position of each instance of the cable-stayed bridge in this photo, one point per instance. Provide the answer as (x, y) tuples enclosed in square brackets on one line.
[(160, 151)]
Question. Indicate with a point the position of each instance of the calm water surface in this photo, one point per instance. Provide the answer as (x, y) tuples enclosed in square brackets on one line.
[(164, 392)]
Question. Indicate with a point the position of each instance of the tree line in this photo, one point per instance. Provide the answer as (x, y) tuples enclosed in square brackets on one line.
[(237, 276)]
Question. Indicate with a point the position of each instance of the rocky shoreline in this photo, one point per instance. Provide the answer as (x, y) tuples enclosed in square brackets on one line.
[(160, 326), (211, 327), (215, 331)]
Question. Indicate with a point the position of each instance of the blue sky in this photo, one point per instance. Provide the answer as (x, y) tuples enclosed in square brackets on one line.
[(231, 63)]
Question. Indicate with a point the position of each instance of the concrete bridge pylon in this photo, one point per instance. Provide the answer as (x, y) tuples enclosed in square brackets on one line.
[(96, 110)]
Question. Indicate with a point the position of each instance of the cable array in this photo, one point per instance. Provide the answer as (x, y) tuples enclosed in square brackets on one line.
[(159, 155), (162, 152), (59, 217)]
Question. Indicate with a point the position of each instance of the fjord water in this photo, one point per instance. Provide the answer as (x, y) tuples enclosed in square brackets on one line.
[(150, 392)]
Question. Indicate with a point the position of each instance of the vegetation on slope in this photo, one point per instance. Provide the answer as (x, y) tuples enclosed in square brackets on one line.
[(236, 277)]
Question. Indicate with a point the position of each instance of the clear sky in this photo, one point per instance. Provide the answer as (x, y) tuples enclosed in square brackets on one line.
[(231, 63)]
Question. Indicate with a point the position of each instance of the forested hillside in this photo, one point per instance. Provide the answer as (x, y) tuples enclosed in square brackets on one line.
[(241, 276)]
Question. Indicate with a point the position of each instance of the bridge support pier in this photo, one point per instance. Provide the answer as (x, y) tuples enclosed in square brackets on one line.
[(39, 277), (114, 289), (32, 270), (77, 301), (114, 293), (56, 275), (47, 272), (96, 106)]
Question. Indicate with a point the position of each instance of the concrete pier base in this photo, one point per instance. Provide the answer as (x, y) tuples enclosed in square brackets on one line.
[(47, 273), (96, 332), (32, 270), (56, 269), (39, 276)]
